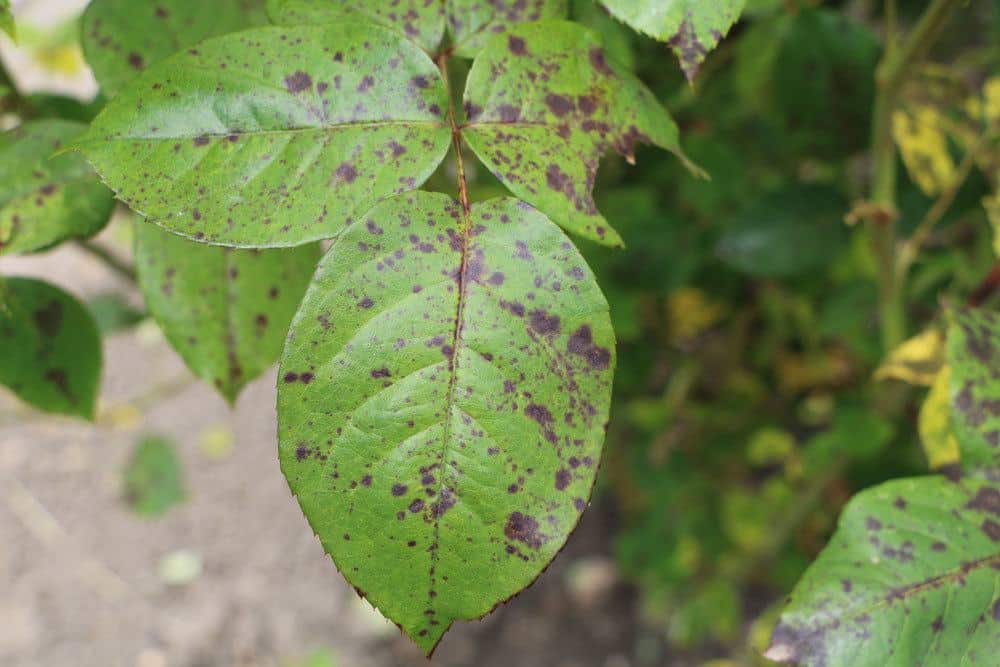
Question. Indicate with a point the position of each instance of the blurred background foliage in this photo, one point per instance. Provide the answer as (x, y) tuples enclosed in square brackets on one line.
[(748, 406)]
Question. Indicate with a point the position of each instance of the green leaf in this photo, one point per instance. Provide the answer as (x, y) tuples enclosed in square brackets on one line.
[(474, 22), (544, 104), (786, 233), (225, 311), (273, 136), (153, 478), (122, 37), (50, 349), (910, 578), (7, 19), (421, 21), (45, 200), (692, 28), (442, 402), (973, 350), (113, 313)]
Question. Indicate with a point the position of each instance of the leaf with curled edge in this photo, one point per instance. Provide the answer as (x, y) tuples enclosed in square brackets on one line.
[(50, 349), (122, 37), (973, 352), (473, 22), (225, 311), (911, 577), (273, 136), (544, 104), (442, 401), (45, 199), (422, 21), (691, 28)]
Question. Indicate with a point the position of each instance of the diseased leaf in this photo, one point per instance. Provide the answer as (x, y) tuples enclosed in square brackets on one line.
[(273, 136), (921, 134), (7, 19), (442, 402), (226, 312), (974, 357), (936, 433), (917, 360), (124, 37), (544, 104), (44, 200), (473, 22), (911, 577), (153, 478), (50, 349), (692, 28), (422, 21)]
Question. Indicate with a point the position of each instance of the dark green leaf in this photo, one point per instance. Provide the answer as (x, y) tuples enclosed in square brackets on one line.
[(912, 577), (122, 37), (544, 104), (786, 233), (225, 311), (50, 349), (974, 356), (273, 136), (442, 403), (692, 28), (474, 22), (153, 478), (45, 200)]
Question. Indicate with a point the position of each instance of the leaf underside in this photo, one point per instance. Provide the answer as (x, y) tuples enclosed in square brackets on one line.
[(911, 578), (225, 311), (447, 380), (691, 28), (974, 357), (46, 200), (50, 349)]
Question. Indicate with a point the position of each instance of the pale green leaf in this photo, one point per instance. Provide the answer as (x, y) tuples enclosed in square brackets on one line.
[(442, 402), (692, 28), (50, 349), (273, 136), (153, 478), (124, 37), (973, 351), (911, 577), (45, 200), (7, 19), (473, 22), (225, 311), (544, 104), (422, 21)]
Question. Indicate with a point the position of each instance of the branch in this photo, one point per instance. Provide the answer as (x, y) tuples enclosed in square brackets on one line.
[(112, 261)]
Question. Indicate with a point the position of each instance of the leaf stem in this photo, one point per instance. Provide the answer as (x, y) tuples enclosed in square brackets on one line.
[(112, 261)]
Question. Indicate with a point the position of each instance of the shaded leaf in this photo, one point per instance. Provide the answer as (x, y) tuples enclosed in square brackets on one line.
[(153, 478), (122, 38), (917, 360), (936, 433), (419, 20), (442, 403), (273, 136), (692, 28), (113, 313), (473, 22), (50, 349), (909, 578), (974, 357), (992, 206), (544, 104), (786, 233), (45, 200), (225, 311)]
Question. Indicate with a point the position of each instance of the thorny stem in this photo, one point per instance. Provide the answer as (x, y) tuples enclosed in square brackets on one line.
[(892, 73)]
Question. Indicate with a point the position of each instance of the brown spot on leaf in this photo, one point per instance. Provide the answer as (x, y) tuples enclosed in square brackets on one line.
[(297, 82), (524, 529)]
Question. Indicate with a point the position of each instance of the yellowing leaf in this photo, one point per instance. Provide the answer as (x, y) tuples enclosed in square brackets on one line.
[(691, 312), (921, 135), (936, 433), (916, 361), (770, 445), (991, 100)]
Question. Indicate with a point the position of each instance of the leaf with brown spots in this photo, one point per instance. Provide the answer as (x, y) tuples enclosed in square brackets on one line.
[(273, 136), (973, 351), (459, 373), (122, 37), (473, 22), (45, 200), (421, 21), (544, 104), (692, 28), (50, 349), (911, 577), (225, 311)]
